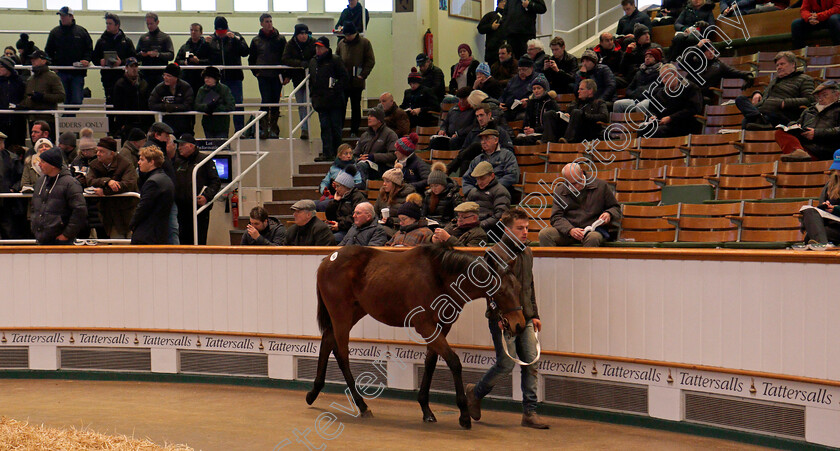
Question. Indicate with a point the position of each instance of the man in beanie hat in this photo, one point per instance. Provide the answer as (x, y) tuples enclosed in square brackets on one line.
[(131, 93), (227, 49), (419, 101), (561, 67), (214, 97), (356, 52), (465, 231), (207, 185), (70, 45), (352, 14), (131, 146), (521, 22), (263, 230), (458, 122), (58, 205), (541, 104), (395, 117), (634, 57), (601, 74), (308, 230), (340, 209), (174, 95), (44, 89), (501, 160), (485, 82), (194, 52), (414, 230), (505, 68), (632, 16), (646, 75), (442, 195), (376, 145), (112, 174), (492, 198), (328, 80), (415, 170), (518, 88), (491, 26), (432, 77), (298, 53), (267, 49), (154, 49), (818, 134), (366, 230), (67, 144)]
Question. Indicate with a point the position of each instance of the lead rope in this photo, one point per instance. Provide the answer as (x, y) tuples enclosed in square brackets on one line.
[(505, 347)]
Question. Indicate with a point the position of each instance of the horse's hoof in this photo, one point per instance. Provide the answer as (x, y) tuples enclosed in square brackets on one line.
[(310, 397), (465, 422), (430, 418), (367, 414)]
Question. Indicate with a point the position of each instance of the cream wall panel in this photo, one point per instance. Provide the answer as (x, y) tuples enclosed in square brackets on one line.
[(617, 295)]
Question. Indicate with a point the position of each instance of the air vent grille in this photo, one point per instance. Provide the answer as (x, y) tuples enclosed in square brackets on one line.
[(306, 367), (14, 357), (745, 414), (442, 380), (223, 363), (107, 359), (597, 394)]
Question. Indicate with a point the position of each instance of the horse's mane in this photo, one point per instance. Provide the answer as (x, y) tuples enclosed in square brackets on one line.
[(446, 258)]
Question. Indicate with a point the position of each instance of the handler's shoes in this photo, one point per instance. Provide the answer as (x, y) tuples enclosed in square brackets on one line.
[(532, 420), (473, 404)]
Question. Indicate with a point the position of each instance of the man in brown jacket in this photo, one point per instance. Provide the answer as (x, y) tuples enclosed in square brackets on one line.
[(357, 54), (573, 211), (466, 231), (395, 117), (111, 173)]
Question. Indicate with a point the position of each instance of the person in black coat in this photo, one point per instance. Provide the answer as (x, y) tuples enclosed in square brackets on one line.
[(601, 74), (263, 230), (150, 222), (207, 184), (539, 104), (415, 170), (12, 89), (112, 40), (715, 71), (353, 13), (308, 230), (486, 82), (228, 47), (199, 55), (11, 210), (581, 120), (560, 69), (680, 101), (492, 26), (632, 16), (131, 93), (154, 49), (699, 15), (174, 95), (58, 209), (328, 80), (521, 23), (298, 52), (67, 44), (432, 77), (419, 102), (442, 196), (267, 49), (634, 56)]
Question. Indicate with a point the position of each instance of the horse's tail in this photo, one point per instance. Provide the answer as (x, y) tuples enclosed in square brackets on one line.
[(324, 321)]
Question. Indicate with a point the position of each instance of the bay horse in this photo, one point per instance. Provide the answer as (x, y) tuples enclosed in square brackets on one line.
[(390, 286)]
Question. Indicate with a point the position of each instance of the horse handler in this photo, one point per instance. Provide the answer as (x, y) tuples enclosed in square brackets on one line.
[(525, 344)]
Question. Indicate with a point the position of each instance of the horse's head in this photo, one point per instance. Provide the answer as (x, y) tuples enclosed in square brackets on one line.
[(505, 302)]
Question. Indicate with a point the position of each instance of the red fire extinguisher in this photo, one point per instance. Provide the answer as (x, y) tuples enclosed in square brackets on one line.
[(234, 207), (428, 43)]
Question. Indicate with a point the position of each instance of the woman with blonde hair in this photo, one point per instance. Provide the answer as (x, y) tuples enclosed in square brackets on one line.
[(392, 195), (820, 232)]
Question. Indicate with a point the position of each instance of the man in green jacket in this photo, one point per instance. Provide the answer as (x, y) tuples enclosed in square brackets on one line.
[(214, 97), (44, 90), (781, 100), (356, 52)]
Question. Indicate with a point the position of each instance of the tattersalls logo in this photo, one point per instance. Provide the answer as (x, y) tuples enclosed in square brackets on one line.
[(572, 367), (723, 383), (649, 374), (34, 339), (293, 348), (229, 343), (781, 391), (99, 339), (155, 340)]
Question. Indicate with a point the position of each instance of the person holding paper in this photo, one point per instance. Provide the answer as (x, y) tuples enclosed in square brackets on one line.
[(517, 90), (207, 184), (817, 131), (822, 227), (581, 119), (580, 202)]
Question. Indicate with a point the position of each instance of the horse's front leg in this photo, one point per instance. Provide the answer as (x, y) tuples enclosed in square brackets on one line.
[(441, 347), (327, 346), (425, 384)]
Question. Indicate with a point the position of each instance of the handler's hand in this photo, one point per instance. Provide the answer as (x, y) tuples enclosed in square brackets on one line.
[(537, 324)]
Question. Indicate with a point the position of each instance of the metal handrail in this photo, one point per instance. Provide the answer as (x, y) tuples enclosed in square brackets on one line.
[(77, 242), (133, 194), (596, 18), (187, 67), (303, 84)]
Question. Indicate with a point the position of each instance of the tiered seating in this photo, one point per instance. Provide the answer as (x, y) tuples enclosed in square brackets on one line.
[(707, 223), (659, 152), (822, 56), (800, 179), (637, 185), (678, 175), (714, 154), (717, 117), (444, 156), (743, 181), (561, 154), (373, 187), (647, 224), (761, 152), (770, 222), (425, 134)]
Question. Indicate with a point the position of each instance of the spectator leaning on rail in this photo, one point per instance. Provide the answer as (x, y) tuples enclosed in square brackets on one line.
[(207, 184), (501, 160), (194, 52), (816, 15), (12, 90), (521, 22), (414, 229), (150, 222), (514, 251), (131, 146), (579, 202), (327, 81), (491, 25), (560, 69), (485, 82), (822, 231), (432, 77), (395, 117), (340, 209), (601, 74), (415, 170), (366, 231), (781, 100), (632, 16), (465, 230), (352, 13), (227, 49), (112, 174), (505, 68), (462, 73), (441, 197), (214, 97), (154, 49), (518, 89), (376, 146), (58, 206), (44, 90), (817, 130), (70, 45), (131, 93), (419, 101), (174, 95), (119, 48), (299, 51), (492, 198), (356, 52), (263, 230), (267, 49), (307, 229)]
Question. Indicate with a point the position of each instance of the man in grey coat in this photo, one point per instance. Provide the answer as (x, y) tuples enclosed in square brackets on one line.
[(365, 231), (59, 211)]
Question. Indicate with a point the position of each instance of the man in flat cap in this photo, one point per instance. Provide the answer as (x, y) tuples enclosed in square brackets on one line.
[(492, 198), (59, 211), (817, 131), (501, 160), (465, 231), (308, 230), (111, 173), (263, 230)]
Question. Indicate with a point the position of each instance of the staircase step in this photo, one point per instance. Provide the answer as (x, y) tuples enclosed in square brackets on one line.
[(307, 179), (320, 167), (296, 193), (236, 236), (279, 208)]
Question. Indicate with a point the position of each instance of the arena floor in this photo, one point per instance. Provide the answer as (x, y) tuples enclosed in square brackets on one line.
[(222, 417)]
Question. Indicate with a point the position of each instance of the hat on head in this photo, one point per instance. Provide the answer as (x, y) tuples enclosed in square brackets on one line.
[(590, 55), (131, 61), (86, 141), (467, 207), (65, 11), (540, 80), (323, 41), (304, 205), (639, 30), (465, 47), (463, 92), (3, 135), (438, 174), (407, 144), (481, 169), (135, 134), (830, 84), (161, 127), (301, 28), (68, 139), (410, 209), (186, 138), (483, 68), (345, 177), (476, 98), (107, 143), (41, 142), (349, 28), (489, 132), (220, 23), (421, 58), (173, 69), (655, 52), (53, 157), (393, 175), (414, 76), (378, 113), (212, 71), (24, 42), (836, 163), (39, 54), (526, 61), (8, 63)]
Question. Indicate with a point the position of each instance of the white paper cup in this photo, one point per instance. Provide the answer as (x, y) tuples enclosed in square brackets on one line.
[(386, 213)]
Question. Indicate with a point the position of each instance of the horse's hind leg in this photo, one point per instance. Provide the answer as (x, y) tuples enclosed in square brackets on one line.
[(327, 346), (423, 396)]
